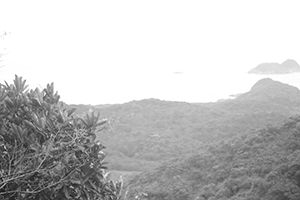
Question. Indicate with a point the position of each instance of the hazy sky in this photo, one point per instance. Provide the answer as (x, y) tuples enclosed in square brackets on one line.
[(116, 51)]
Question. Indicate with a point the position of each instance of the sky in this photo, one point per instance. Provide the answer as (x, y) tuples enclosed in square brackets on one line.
[(99, 52)]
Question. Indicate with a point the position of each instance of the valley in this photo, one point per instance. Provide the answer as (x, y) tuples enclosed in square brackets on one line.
[(166, 140)]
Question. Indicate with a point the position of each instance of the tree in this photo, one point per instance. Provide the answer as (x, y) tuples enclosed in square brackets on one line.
[(47, 152)]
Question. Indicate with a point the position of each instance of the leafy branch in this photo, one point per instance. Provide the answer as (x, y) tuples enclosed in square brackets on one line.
[(46, 151)]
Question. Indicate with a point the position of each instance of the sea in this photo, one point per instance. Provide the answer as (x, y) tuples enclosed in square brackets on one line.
[(188, 87), (199, 88)]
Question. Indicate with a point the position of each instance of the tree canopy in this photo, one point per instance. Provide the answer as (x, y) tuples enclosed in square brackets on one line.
[(153, 130), (47, 152), (262, 165)]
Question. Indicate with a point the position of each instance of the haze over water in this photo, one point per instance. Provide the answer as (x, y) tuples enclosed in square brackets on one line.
[(206, 87), (117, 51)]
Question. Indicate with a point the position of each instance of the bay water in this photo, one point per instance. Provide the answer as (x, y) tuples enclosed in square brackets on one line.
[(196, 88)]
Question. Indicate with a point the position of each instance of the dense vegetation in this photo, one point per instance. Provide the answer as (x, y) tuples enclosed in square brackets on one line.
[(150, 131), (46, 152), (220, 150), (188, 151), (262, 165)]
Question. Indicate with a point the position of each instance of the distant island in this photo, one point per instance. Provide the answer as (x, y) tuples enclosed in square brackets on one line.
[(287, 67)]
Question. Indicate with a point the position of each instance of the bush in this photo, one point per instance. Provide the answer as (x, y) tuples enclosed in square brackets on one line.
[(46, 152)]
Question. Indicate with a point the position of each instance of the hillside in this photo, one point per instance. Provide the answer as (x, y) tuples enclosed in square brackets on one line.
[(147, 132), (264, 164), (267, 96), (287, 67), (269, 90)]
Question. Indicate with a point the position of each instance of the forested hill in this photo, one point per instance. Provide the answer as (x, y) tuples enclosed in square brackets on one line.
[(266, 97), (264, 164), (149, 131), (269, 90)]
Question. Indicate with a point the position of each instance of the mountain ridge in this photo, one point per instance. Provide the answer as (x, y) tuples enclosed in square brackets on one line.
[(154, 130), (262, 163)]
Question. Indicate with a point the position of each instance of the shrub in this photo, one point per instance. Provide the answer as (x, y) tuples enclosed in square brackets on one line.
[(46, 152)]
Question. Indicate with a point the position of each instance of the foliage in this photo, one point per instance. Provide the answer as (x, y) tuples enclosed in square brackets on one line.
[(153, 130), (264, 164), (46, 152), (219, 150)]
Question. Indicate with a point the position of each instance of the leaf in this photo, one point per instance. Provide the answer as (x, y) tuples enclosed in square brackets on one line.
[(29, 124), (42, 121), (107, 176), (61, 117), (3, 93), (9, 104), (104, 163), (17, 82), (74, 180), (14, 129), (70, 112), (66, 192), (7, 85), (102, 122), (36, 102), (20, 84), (113, 185), (35, 119)]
